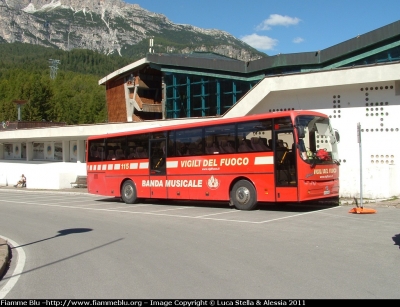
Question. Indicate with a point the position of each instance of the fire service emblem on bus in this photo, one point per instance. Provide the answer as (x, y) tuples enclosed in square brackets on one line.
[(213, 183)]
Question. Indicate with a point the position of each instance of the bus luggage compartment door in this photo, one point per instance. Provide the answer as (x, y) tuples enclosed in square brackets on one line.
[(286, 194)]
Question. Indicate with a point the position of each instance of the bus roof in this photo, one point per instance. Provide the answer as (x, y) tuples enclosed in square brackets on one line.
[(165, 125)]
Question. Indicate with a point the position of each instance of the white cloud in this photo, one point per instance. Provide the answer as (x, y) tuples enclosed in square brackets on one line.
[(298, 40), (277, 20), (260, 42)]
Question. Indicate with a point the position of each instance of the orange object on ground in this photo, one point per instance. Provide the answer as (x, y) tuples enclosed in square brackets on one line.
[(361, 210)]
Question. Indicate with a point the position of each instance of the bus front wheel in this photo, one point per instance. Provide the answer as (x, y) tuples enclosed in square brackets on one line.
[(128, 192), (243, 195)]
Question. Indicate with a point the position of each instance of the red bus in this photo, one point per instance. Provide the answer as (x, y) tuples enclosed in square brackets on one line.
[(288, 156)]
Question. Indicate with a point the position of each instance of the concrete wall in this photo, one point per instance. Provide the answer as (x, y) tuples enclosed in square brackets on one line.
[(41, 175)]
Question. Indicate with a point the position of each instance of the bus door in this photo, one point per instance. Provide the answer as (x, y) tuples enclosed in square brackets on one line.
[(285, 166), (158, 168)]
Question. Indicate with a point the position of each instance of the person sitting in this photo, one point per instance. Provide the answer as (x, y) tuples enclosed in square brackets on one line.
[(21, 183)]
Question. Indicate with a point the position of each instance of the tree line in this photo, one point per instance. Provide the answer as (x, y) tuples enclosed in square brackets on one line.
[(73, 96)]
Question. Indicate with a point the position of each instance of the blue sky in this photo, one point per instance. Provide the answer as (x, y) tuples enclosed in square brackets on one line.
[(281, 26)]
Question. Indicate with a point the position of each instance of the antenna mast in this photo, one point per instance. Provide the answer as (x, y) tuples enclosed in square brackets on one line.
[(151, 44), (53, 68)]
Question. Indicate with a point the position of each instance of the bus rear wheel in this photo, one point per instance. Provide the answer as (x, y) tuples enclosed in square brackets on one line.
[(128, 192), (243, 195)]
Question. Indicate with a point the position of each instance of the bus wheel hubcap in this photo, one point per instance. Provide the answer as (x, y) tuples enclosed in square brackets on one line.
[(242, 195), (128, 192)]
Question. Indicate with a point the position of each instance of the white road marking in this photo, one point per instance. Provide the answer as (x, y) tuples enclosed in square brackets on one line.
[(201, 216), (124, 206), (113, 208), (17, 271), (295, 215), (173, 215), (157, 212), (180, 208)]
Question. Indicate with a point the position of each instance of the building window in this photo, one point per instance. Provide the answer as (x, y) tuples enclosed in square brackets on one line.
[(199, 96)]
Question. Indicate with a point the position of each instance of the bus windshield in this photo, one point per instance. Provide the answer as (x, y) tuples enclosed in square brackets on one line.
[(316, 139)]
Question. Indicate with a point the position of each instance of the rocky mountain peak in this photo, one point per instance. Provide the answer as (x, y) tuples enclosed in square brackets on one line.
[(110, 27)]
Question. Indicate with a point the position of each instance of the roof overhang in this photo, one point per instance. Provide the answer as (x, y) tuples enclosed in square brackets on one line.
[(82, 132), (135, 65)]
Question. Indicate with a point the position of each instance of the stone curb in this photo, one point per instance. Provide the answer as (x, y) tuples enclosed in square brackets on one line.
[(4, 256)]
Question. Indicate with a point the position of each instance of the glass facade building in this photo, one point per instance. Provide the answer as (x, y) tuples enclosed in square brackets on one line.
[(190, 95)]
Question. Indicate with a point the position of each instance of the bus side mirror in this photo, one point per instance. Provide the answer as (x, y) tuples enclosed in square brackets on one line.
[(337, 136), (301, 132)]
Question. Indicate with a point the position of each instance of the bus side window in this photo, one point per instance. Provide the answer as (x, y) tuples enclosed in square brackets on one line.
[(178, 146), (265, 142), (170, 149), (226, 147), (101, 153), (140, 152), (195, 149), (244, 147), (258, 144), (145, 146), (111, 155), (94, 154), (131, 153), (119, 154), (212, 148), (186, 150)]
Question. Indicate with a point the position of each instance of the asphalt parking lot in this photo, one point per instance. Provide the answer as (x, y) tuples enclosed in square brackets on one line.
[(356, 254), (265, 213), (218, 211)]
